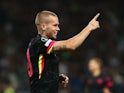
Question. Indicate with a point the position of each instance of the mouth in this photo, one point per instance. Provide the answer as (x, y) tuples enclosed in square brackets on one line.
[(55, 33)]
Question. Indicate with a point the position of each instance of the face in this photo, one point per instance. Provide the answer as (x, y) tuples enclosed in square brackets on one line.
[(51, 28), (93, 65)]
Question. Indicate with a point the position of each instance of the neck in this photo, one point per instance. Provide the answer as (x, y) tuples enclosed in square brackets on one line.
[(96, 73), (42, 34)]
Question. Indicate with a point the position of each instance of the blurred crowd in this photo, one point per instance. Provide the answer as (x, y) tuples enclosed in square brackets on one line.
[(17, 28)]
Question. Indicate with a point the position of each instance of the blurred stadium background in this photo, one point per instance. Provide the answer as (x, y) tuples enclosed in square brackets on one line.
[(17, 28)]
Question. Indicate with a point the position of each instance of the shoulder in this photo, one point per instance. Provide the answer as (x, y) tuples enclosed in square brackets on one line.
[(38, 40)]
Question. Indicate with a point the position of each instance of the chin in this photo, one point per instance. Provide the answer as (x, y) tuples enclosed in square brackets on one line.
[(54, 38)]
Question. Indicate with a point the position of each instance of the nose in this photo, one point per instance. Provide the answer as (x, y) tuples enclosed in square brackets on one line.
[(58, 29)]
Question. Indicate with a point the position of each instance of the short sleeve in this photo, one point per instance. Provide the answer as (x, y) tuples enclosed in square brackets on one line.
[(45, 45), (49, 44)]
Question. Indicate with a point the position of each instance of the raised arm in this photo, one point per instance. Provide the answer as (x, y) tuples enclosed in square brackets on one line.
[(77, 40)]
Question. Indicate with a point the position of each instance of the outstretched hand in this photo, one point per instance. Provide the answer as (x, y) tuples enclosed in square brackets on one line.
[(94, 24)]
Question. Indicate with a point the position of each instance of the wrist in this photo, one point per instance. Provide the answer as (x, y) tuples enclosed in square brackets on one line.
[(88, 28)]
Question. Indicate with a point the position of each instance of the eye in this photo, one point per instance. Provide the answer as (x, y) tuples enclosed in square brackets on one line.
[(56, 25)]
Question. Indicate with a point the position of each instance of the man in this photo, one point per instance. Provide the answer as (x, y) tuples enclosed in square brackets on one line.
[(41, 53), (98, 81)]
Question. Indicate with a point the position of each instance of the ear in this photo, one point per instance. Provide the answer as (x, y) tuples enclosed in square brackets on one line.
[(43, 26)]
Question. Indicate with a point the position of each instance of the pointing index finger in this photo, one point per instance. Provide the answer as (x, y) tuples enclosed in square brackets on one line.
[(97, 15)]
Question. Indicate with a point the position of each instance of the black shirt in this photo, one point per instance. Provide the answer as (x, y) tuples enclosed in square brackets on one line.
[(42, 66), (97, 84)]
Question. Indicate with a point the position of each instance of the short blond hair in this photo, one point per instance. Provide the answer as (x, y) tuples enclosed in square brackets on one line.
[(41, 16)]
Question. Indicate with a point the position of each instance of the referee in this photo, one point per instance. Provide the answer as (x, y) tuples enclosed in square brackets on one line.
[(41, 52)]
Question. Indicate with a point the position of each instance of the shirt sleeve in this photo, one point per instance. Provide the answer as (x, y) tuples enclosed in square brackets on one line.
[(45, 46), (49, 44)]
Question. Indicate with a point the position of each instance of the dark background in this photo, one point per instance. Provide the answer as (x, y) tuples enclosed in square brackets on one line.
[(17, 28)]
